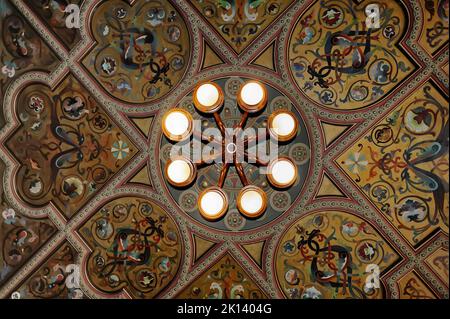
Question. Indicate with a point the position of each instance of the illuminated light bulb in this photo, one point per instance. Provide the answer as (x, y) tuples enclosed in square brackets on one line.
[(208, 97), (283, 125), (212, 203), (282, 172), (177, 125), (180, 172), (252, 93), (207, 94), (252, 97), (252, 201)]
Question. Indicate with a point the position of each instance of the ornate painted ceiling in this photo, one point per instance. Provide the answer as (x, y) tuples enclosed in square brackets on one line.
[(84, 196)]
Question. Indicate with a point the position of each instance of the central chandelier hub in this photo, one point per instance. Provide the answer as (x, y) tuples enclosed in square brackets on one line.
[(231, 148)]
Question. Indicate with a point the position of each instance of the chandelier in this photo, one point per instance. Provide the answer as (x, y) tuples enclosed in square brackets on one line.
[(208, 99)]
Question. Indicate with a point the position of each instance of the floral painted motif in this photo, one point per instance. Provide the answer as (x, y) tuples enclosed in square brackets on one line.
[(120, 149), (225, 280), (9, 216), (136, 247), (339, 62), (66, 146), (142, 51), (356, 162), (332, 255), (406, 164)]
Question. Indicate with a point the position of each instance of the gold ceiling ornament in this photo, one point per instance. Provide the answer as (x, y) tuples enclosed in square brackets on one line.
[(208, 98)]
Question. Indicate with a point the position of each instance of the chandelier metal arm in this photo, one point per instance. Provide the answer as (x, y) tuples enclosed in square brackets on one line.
[(220, 124), (244, 118), (241, 173), (223, 174)]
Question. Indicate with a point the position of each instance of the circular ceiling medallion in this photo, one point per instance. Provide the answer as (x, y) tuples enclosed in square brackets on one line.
[(261, 103), (134, 244), (341, 65), (326, 255), (142, 51)]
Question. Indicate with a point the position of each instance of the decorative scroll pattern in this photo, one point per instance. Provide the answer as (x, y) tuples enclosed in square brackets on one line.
[(136, 247), (402, 164), (20, 237), (20, 48), (330, 255), (434, 35), (53, 13), (241, 21), (412, 287), (439, 263), (225, 280), (142, 51), (58, 278), (67, 145), (338, 62)]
